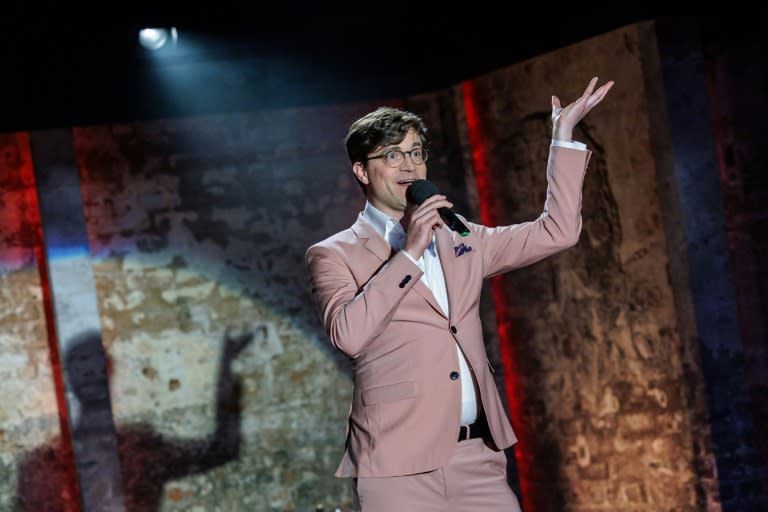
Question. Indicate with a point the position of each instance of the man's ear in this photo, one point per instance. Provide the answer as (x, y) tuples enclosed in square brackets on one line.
[(361, 172)]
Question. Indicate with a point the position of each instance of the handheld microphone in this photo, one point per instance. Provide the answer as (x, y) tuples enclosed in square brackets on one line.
[(420, 190)]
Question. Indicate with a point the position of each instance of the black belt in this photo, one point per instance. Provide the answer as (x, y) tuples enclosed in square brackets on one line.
[(477, 429)]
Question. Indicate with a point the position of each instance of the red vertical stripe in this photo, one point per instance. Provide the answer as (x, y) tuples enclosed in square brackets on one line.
[(484, 178), (27, 177)]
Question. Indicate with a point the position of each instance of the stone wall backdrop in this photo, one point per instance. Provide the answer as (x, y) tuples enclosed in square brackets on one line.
[(225, 394), (33, 413), (224, 391), (590, 335)]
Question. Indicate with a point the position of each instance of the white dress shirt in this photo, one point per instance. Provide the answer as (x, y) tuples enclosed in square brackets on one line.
[(434, 279)]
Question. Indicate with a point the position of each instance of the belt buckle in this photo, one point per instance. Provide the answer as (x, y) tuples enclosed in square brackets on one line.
[(466, 428)]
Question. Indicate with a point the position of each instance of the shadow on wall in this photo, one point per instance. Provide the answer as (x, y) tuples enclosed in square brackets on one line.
[(147, 459)]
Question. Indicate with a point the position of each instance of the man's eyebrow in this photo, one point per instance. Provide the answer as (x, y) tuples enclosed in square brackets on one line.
[(416, 144)]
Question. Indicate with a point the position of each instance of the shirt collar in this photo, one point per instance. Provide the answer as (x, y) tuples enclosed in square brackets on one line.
[(378, 219), (389, 228)]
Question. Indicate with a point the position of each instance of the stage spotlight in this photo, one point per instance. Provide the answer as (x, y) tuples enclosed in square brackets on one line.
[(156, 38)]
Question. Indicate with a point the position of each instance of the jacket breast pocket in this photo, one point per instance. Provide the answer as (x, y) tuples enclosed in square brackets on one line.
[(389, 393)]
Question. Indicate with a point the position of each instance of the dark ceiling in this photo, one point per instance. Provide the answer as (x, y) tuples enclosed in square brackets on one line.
[(59, 72)]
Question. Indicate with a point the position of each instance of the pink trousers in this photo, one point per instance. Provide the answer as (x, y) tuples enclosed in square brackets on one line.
[(474, 480)]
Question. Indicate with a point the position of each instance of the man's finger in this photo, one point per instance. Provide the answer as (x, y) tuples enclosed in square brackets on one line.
[(590, 87), (599, 95)]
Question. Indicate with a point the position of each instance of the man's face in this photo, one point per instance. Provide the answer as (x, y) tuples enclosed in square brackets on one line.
[(386, 185)]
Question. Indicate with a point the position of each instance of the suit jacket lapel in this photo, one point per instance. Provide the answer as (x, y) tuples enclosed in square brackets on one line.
[(422, 290), (379, 247), (372, 241)]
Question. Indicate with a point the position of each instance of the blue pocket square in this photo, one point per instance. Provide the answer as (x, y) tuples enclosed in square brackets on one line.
[(461, 249)]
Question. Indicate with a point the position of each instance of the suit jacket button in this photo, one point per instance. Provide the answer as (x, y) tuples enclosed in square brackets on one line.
[(454, 330), (405, 281), (454, 375)]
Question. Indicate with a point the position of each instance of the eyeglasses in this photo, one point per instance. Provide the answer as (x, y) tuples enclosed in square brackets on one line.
[(395, 157)]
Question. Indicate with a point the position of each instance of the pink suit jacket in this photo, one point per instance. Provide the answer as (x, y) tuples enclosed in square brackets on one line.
[(406, 403)]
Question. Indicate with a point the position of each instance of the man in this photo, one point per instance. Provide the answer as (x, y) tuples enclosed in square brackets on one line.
[(398, 292)]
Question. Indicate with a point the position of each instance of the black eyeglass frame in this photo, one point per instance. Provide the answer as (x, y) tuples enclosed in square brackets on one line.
[(403, 153)]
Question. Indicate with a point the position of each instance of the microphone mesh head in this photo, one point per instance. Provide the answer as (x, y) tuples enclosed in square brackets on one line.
[(420, 190)]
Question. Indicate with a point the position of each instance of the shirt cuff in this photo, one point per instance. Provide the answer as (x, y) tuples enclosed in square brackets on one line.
[(569, 144), (411, 258)]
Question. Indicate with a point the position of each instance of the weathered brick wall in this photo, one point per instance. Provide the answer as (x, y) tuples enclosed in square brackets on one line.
[(605, 418), (29, 400), (197, 230)]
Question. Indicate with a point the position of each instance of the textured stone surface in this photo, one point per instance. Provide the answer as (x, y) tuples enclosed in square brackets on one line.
[(604, 415), (76, 323), (29, 408), (679, 273), (198, 230)]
